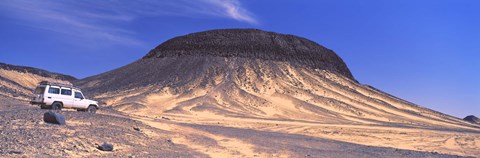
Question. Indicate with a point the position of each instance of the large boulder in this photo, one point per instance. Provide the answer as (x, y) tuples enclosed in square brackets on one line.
[(472, 119), (54, 118)]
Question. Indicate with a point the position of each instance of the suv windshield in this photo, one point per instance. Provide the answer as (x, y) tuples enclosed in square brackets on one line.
[(39, 90), (78, 95)]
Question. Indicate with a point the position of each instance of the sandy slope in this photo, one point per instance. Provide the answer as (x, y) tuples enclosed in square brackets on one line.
[(20, 85), (272, 96)]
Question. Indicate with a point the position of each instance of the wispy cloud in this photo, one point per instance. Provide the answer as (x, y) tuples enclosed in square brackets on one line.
[(103, 20), (234, 10)]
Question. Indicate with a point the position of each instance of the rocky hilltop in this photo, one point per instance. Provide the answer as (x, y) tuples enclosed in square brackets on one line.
[(472, 119), (195, 59), (253, 44)]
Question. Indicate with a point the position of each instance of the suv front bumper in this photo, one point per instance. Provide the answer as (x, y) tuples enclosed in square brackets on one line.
[(37, 103)]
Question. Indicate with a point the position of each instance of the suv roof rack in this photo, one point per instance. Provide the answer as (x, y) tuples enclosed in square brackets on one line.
[(67, 85)]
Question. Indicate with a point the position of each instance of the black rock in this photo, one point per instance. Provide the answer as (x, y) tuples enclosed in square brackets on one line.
[(472, 119), (105, 147), (136, 128), (15, 152), (53, 117), (252, 43)]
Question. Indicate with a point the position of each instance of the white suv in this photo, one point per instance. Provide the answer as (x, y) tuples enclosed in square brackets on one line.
[(57, 96)]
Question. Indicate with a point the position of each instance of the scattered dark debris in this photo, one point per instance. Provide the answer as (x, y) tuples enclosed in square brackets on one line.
[(165, 118)]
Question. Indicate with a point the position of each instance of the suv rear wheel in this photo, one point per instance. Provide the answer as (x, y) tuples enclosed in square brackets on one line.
[(56, 106), (92, 109)]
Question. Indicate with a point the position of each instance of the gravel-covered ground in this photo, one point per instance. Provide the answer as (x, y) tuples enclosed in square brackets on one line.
[(273, 143), (24, 133)]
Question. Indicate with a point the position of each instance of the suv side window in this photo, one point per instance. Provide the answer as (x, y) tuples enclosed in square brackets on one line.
[(52, 90), (66, 92), (78, 95)]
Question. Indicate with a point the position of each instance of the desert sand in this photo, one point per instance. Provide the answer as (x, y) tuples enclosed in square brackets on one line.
[(207, 123), (380, 126)]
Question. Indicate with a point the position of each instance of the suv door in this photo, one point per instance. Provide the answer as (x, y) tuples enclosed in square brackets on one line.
[(66, 97), (79, 102), (51, 95)]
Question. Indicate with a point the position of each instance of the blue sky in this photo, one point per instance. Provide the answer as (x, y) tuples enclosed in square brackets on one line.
[(427, 52)]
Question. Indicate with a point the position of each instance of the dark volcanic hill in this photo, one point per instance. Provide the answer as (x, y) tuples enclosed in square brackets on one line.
[(197, 51), (18, 82), (249, 72), (472, 119)]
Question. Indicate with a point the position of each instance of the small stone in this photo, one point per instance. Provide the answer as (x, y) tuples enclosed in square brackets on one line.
[(170, 142), (136, 128), (15, 152), (105, 147)]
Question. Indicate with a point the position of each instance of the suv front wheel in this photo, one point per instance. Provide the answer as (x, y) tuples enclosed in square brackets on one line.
[(92, 109)]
